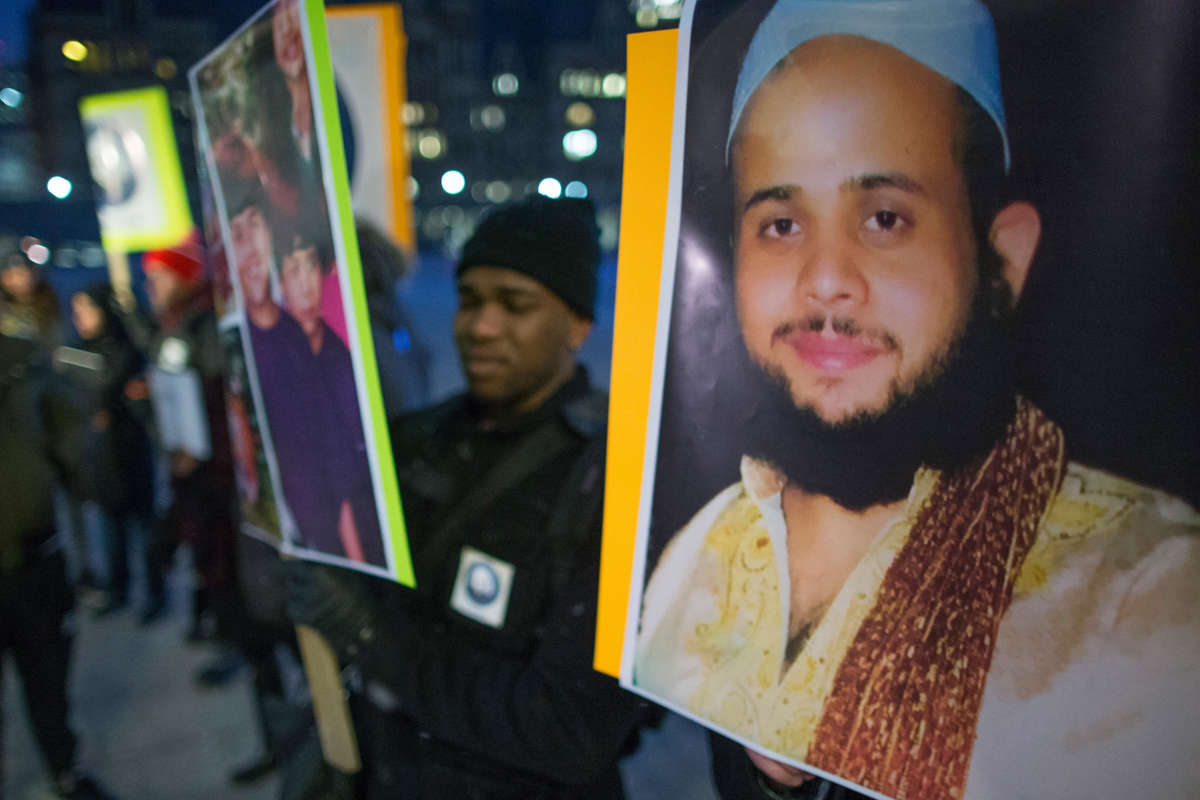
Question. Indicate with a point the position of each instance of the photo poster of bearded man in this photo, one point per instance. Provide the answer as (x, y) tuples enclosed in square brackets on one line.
[(917, 505), (271, 146)]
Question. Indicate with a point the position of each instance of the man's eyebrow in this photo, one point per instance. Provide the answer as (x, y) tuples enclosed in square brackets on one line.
[(882, 180), (515, 292), (510, 292), (780, 192)]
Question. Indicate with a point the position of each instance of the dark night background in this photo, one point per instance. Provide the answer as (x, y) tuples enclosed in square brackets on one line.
[(1103, 112), (564, 54)]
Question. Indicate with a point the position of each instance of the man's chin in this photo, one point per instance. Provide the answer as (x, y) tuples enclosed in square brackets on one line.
[(836, 400), (488, 389), (866, 452), (839, 414)]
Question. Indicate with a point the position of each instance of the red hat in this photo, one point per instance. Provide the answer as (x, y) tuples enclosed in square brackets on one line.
[(185, 259)]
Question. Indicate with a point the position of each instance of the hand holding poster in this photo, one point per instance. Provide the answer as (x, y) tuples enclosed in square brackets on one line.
[(861, 552), (270, 139)]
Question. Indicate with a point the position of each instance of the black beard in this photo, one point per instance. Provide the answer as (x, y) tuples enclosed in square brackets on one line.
[(955, 414)]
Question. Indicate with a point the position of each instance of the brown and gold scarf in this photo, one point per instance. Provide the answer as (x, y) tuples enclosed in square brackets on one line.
[(902, 712)]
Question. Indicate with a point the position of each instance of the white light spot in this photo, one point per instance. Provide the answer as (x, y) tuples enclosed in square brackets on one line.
[(498, 192), (613, 85), (579, 144), (505, 84), (58, 186), (492, 117), (39, 254), (453, 181), (429, 145)]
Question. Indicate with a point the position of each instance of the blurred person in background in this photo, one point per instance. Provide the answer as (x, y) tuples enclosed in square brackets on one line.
[(117, 472), (201, 512), (400, 350), (30, 305), (39, 436), (30, 309)]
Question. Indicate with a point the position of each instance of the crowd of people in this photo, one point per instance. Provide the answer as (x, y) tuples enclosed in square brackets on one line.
[(117, 474)]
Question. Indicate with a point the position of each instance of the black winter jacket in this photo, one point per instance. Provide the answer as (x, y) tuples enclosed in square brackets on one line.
[(455, 707)]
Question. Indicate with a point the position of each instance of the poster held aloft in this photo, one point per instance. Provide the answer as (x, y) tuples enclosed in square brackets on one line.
[(271, 142), (860, 545), (314, 464), (138, 183)]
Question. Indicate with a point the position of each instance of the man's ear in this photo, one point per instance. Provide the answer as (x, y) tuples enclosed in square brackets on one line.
[(1014, 235), (579, 330)]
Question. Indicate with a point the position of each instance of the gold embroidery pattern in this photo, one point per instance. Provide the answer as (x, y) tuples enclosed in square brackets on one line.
[(1088, 502), (745, 612), (741, 638)]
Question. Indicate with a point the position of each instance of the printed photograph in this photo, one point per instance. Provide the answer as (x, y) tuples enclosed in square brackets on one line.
[(257, 96), (924, 484)]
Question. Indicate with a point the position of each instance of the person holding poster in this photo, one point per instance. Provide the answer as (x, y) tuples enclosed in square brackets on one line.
[(911, 588), (480, 684), (186, 390)]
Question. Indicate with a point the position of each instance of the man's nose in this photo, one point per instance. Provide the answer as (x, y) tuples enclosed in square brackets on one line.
[(487, 322), (830, 274)]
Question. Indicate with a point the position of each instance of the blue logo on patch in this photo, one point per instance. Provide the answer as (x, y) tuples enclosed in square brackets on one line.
[(483, 584)]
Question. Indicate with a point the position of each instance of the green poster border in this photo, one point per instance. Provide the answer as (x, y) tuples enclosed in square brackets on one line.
[(314, 11), (165, 166)]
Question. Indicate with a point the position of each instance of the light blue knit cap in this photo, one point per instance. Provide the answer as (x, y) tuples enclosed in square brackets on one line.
[(955, 38)]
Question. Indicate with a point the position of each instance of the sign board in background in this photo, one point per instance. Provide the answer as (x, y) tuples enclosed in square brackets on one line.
[(367, 46), (140, 196)]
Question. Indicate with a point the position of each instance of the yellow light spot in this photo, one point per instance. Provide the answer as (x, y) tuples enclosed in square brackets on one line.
[(579, 115), (165, 68), (74, 50)]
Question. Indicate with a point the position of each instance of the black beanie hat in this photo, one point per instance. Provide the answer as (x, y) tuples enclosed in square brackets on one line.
[(555, 242)]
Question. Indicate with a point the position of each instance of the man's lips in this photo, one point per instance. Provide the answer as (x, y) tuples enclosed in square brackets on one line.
[(482, 364), (831, 351)]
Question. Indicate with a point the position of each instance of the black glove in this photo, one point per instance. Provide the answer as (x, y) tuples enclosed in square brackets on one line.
[(334, 601)]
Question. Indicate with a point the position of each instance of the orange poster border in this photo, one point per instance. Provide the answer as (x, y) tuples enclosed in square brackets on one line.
[(649, 111)]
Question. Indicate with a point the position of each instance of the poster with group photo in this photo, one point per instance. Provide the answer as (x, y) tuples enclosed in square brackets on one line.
[(916, 510), (270, 137)]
